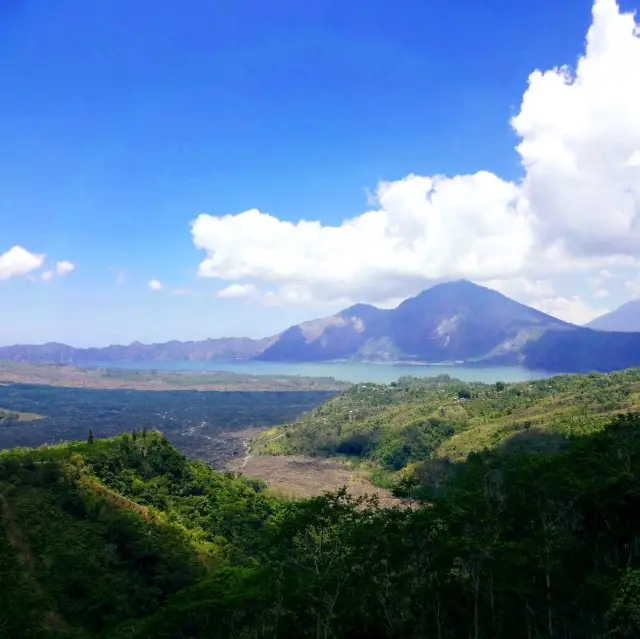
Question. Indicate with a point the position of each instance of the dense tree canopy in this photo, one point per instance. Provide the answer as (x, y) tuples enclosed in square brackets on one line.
[(127, 538)]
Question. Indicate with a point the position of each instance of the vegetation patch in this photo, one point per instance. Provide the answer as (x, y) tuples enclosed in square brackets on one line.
[(404, 425), (128, 538)]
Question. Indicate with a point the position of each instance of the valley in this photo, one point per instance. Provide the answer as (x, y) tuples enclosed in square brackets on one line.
[(368, 437), (127, 537), (200, 423), (128, 531), (299, 476)]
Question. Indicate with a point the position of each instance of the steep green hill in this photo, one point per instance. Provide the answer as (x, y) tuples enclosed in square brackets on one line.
[(104, 532), (415, 420), (126, 538)]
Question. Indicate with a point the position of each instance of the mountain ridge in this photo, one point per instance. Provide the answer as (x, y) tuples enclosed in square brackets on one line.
[(454, 323), (450, 322), (624, 319)]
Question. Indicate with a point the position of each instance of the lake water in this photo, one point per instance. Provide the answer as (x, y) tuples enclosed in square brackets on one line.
[(349, 372)]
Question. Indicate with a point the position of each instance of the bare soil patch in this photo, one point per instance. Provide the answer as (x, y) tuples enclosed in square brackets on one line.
[(298, 476)]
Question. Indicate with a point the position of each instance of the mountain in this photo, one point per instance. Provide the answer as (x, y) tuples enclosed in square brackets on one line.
[(455, 321), (625, 319), (224, 348)]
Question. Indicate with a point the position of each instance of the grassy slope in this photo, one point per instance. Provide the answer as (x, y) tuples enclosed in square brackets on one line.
[(395, 426), (92, 535)]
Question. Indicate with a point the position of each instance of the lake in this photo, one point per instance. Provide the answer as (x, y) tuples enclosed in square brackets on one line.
[(347, 371)]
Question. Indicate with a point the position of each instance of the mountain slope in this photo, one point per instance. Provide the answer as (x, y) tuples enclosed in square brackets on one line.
[(90, 539), (448, 322), (416, 420), (341, 336), (464, 321), (625, 319), (582, 350), (126, 538), (224, 348)]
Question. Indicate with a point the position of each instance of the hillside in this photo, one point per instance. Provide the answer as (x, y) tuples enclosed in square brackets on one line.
[(625, 319), (409, 425), (456, 321), (127, 538), (224, 348), (95, 534)]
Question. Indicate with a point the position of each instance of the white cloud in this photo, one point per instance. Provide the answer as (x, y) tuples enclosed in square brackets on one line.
[(633, 286), (522, 289), (17, 262), (570, 309), (155, 285), (64, 267), (601, 278), (46, 276), (121, 275), (238, 291), (579, 131), (601, 294), (577, 206)]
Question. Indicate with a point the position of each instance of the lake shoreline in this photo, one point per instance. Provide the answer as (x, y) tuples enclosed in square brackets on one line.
[(340, 371)]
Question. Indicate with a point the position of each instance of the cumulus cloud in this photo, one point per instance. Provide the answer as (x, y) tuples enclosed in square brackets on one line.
[(155, 285), (522, 288), (46, 276), (17, 262), (633, 287), (576, 207), (238, 290), (570, 309), (64, 267)]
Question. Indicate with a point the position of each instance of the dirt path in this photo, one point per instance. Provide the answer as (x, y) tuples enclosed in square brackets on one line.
[(52, 619), (247, 452)]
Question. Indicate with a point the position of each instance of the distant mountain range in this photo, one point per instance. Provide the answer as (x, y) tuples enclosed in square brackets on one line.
[(625, 319), (222, 349), (456, 322)]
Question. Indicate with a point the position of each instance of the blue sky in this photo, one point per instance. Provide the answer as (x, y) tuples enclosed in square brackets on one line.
[(121, 124)]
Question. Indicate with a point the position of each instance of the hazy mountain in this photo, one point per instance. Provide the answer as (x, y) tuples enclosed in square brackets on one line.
[(582, 350), (224, 348), (452, 322), (625, 319), (448, 322)]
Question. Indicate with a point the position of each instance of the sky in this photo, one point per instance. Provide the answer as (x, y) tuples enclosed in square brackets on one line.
[(231, 168)]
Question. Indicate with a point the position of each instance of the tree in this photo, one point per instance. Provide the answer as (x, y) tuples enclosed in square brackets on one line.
[(90, 437)]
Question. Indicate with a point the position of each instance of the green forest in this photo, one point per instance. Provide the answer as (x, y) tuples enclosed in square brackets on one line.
[(126, 537), (414, 429)]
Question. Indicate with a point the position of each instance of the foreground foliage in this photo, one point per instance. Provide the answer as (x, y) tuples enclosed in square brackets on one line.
[(127, 538)]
